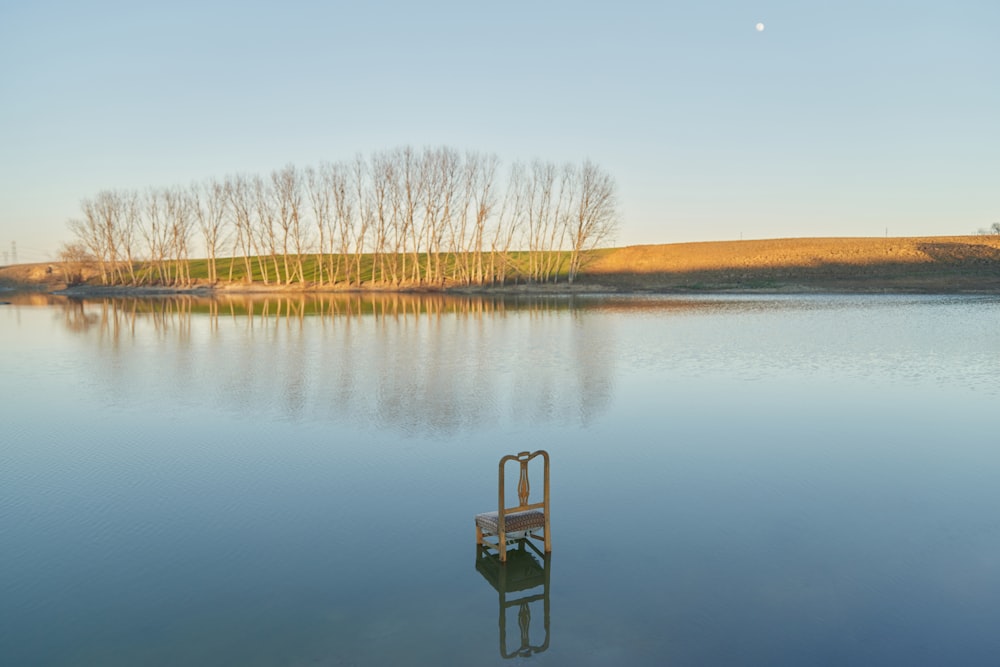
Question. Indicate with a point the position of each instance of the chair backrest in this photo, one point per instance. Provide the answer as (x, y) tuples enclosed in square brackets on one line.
[(523, 485)]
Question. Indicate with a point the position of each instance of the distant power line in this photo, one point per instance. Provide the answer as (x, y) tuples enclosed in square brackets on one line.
[(17, 254)]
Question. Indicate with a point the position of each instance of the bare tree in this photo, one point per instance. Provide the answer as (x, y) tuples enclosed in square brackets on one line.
[(468, 209), (359, 173), (177, 206), (411, 189), (595, 216), (382, 175), (460, 221), (156, 232), (435, 171), (108, 230), (344, 203), (240, 199), (287, 192), (397, 211), (539, 186), (320, 196), (509, 223), (129, 228), (74, 257), (563, 198), (88, 237), (264, 229), (98, 232), (209, 204), (482, 172), (444, 165)]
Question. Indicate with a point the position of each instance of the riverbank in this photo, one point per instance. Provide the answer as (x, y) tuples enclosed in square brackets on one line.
[(940, 264)]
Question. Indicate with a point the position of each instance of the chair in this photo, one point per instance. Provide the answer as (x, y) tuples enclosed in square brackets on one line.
[(526, 519)]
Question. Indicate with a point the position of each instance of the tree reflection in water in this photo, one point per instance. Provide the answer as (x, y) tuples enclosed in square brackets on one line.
[(416, 362)]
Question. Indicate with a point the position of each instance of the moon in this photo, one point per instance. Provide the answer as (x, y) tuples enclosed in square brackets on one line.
[(760, 27)]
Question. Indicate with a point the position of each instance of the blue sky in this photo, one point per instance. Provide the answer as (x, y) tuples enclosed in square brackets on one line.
[(843, 118)]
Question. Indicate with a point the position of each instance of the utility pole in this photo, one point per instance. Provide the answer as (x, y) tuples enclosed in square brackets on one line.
[(13, 252)]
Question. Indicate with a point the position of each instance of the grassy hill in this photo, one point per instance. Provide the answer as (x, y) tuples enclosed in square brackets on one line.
[(910, 264)]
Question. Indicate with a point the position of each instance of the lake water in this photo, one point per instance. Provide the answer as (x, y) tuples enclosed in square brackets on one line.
[(736, 480)]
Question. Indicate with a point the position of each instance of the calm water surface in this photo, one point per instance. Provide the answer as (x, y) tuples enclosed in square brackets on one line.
[(736, 480)]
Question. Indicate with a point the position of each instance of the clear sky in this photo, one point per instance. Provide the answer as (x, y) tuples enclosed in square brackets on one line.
[(847, 118)]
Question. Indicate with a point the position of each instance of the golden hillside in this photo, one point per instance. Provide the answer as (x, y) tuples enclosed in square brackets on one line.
[(938, 263)]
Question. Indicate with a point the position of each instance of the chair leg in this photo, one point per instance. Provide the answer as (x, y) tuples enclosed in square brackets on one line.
[(479, 535)]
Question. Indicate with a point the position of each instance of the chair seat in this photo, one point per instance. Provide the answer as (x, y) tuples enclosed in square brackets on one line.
[(489, 522)]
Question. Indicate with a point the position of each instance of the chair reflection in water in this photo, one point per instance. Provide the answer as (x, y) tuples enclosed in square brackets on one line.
[(528, 571), (525, 567)]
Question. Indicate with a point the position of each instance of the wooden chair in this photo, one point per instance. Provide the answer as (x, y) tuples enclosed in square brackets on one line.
[(526, 519)]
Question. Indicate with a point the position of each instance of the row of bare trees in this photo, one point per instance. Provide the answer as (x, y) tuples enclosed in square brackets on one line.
[(399, 217)]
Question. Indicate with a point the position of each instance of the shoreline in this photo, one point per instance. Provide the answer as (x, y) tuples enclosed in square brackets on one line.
[(589, 290), (903, 265)]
